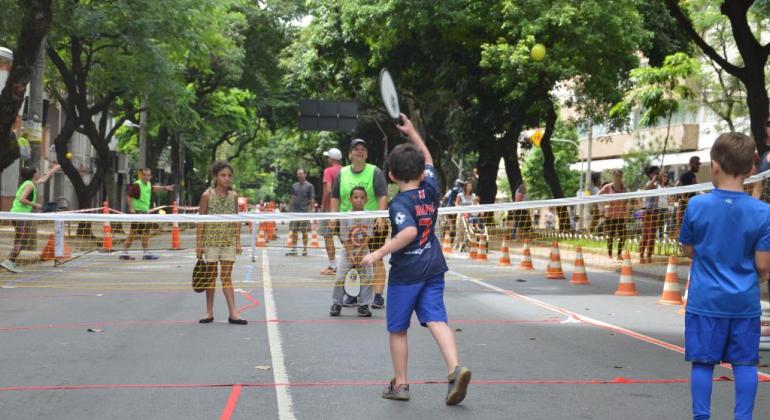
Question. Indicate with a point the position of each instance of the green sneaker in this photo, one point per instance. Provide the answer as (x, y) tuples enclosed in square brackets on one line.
[(400, 393), (10, 266), (458, 385)]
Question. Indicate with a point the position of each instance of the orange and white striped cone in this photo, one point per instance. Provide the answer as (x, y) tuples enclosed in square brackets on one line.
[(106, 230), (554, 271), (290, 241), (686, 292), (505, 257), (579, 276), (482, 255), (474, 249), (526, 257), (447, 246), (626, 286), (314, 238), (261, 239), (671, 295), (175, 241)]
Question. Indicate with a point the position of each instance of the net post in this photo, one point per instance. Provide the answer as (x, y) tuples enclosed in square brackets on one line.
[(253, 241)]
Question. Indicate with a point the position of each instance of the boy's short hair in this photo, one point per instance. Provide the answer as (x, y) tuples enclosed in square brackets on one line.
[(734, 152), (358, 188), (406, 163)]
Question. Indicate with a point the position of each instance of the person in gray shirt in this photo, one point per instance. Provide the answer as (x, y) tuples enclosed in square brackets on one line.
[(355, 234), (372, 179), (302, 201)]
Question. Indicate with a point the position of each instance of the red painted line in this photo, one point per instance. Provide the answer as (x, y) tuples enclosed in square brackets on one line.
[(451, 322), (249, 297), (280, 321), (254, 302), (231, 403), (334, 384)]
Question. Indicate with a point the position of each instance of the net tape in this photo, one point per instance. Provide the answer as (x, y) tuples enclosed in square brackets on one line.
[(288, 217)]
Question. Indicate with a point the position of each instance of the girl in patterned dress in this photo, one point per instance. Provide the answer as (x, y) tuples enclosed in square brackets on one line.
[(219, 243)]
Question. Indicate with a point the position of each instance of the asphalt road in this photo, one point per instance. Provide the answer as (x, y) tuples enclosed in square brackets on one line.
[(538, 349)]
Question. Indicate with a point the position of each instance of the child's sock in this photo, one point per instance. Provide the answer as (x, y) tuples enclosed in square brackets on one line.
[(746, 383), (700, 388)]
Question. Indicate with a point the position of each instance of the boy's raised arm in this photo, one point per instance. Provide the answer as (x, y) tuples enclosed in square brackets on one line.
[(408, 129)]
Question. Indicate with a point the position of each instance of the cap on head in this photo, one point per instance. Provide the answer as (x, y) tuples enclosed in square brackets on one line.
[(356, 142), (333, 153)]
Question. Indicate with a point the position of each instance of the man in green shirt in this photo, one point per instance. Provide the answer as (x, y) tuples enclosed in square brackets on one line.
[(372, 179), (25, 201), (138, 202)]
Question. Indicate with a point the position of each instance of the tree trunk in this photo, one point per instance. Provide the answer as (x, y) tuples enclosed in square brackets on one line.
[(759, 105), (488, 164), (35, 25), (511, 158), (549, 169), (753, 53)]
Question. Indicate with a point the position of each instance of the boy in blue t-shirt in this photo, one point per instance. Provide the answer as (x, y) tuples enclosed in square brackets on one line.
[(727, 235), (417, 270)]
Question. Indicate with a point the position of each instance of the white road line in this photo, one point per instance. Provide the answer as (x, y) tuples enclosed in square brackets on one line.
[(281, 379), (583, 318)]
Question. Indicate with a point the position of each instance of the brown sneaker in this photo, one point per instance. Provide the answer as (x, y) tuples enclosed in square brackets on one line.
[(458, 385), (393, 392)]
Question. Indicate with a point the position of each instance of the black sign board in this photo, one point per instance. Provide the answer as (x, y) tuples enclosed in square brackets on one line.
[(318, 115)]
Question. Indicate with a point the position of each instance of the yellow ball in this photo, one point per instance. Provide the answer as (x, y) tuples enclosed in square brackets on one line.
[(161, 211), (68, 155), (538, 52)]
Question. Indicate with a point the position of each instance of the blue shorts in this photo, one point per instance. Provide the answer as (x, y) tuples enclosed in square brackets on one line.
[(426, 298), (712, 340)]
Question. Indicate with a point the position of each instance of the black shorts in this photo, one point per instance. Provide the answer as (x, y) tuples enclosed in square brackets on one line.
[(300, 226), (141, 228), (25, 237)]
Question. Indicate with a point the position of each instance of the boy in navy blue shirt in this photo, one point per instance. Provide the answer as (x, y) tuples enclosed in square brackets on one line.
[(727, 235), (417, 270)]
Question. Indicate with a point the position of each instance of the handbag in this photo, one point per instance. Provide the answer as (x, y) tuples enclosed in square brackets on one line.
[(202, 277)]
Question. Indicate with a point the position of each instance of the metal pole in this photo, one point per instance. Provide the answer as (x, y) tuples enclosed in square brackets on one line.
[(143, 136), (590, 145)]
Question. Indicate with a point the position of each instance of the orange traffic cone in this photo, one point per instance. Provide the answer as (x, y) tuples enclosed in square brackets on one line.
[(505, 258), (49, 251), (447, 246), (106, 229), (290, 241), (261, 240), (554, 271), (671, 294), (626, 286), (474, 249), (526, 257), (579, 276), (482, 255), (175, 242), (314, 238)]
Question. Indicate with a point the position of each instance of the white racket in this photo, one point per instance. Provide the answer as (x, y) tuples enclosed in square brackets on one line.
[(352, 283), (389, 95)]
